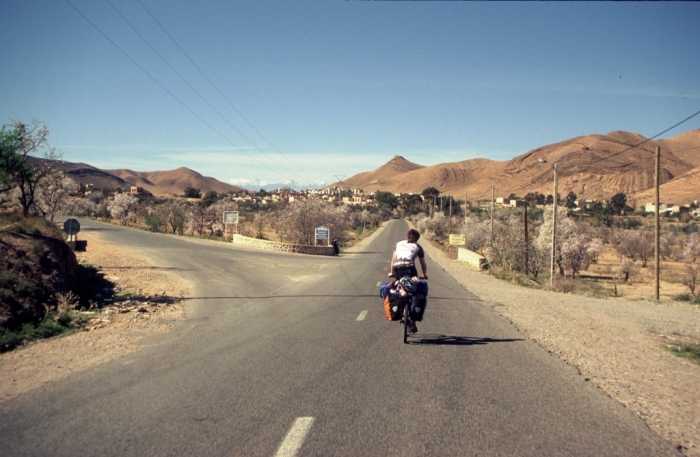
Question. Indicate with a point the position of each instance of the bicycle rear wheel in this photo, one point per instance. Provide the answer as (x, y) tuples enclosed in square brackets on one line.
[(406, 321)]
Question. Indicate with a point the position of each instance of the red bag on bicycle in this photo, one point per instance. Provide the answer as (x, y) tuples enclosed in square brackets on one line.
[(392, 307)]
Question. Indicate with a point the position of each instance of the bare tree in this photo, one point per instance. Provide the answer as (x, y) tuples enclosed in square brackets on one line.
[(635, 244), (691, 280)]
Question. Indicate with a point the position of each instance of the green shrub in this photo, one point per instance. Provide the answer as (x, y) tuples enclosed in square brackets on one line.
[(687, 351), (687, 297)]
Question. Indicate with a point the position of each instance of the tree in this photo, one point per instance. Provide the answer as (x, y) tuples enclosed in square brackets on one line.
[(571, 200), (430, 192), (301, 218), (618, 204), (635, 244), (123, 208), (209, 198), (16, 171), (413, 204), (192, 192), (52, 193), (386, 198)]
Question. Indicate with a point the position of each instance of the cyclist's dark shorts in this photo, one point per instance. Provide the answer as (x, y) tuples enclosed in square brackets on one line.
[(409, 270)]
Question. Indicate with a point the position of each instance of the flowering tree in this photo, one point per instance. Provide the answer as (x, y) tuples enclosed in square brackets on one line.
[(301, 218), (123, 208), (52, 193), (571, 245)]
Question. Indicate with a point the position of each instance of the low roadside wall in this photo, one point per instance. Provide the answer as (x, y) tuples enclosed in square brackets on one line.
[(472, 258), (266, 245)]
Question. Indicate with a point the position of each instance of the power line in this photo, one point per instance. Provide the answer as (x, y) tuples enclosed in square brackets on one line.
[(190, 86), (631, 147), (221, 93), (166, 90)]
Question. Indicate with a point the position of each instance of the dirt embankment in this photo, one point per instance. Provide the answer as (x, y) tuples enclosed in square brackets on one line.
[(151, 301)]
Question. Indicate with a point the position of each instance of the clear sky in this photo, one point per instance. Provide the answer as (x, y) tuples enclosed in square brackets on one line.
[(340, 87)]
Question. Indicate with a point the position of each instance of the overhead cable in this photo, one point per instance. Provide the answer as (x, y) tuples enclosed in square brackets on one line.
[(222, 94), (170, 93)]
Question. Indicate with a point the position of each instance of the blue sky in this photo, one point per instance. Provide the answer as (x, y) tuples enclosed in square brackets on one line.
[(336, 88)]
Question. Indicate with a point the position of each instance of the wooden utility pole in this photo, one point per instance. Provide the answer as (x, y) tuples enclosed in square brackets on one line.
[(493, 202), (527, 244), (449, 222), (465, 207), (657, 227), (554, 228)]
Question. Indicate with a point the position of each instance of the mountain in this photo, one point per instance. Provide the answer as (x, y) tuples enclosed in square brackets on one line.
[(173, 181), (256, 184), (159, 183), (593, 166)]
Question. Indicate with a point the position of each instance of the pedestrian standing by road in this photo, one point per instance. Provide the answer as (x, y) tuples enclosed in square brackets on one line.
[(336, 249)]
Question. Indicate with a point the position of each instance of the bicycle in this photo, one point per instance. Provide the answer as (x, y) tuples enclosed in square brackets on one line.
[(408, 325)]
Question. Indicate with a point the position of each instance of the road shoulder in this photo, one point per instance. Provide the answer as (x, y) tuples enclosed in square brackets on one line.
[(155, 302), (615, 344)]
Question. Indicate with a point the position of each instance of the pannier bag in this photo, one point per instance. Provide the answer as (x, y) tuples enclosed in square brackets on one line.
[(422, 288), (392, 307), (418, 305), (385, 288)]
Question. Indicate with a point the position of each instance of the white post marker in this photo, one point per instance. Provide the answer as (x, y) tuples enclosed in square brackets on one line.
[(362, 315), (295, 437)]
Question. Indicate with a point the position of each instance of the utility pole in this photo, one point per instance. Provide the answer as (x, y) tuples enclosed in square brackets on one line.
[(527, 244), (554, 228), (493, 202), (465, 207), (449, 222), (657, 227)]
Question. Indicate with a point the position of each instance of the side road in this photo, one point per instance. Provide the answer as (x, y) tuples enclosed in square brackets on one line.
[(616, 344)]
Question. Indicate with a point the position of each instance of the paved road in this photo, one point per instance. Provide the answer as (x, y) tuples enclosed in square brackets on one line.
[(273, 349)]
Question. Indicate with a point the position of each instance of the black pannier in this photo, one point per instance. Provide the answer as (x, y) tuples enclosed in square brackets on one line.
[(418, 305)]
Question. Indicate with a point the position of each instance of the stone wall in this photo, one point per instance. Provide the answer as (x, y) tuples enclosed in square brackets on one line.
[(472, 258), (266, 245)]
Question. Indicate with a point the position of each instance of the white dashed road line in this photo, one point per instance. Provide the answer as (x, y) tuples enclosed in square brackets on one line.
[(295, 437), (362, 315)]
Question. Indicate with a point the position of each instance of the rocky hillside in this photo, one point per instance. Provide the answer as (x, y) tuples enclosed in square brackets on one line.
[(593, 166), (35, 266)]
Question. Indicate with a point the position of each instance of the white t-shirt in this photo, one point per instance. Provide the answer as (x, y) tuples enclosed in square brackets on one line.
[(406, 252)]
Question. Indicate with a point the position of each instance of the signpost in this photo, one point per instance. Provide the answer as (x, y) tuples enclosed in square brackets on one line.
[(458, 240), (321, 233), (230, 217), (71, 227)]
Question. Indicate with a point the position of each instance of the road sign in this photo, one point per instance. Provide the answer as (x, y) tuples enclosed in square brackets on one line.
[(322, 233), (230, 217), (458, 240), (71, 226)]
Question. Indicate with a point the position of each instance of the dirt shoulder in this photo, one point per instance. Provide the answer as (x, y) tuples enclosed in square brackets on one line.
[(616, 344), (154, 303)]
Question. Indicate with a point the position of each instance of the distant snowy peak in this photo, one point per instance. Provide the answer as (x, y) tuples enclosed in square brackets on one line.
[(256, 184)]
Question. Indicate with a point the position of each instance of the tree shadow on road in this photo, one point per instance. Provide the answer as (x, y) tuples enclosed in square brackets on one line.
[(450, 340)]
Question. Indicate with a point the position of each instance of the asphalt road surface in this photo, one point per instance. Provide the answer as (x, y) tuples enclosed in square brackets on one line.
[(286, 354)]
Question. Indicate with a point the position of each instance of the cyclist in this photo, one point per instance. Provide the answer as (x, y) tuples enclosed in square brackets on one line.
[(403, 262)]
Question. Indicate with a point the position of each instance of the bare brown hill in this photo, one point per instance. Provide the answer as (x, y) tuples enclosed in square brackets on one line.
[(594, 167), (377, 179), (680, 191), (87, 174), (172, 182)]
